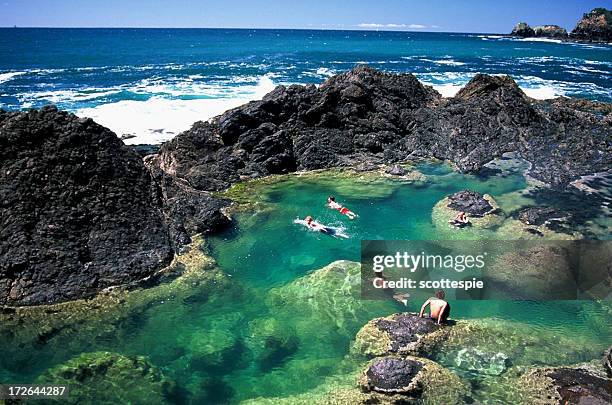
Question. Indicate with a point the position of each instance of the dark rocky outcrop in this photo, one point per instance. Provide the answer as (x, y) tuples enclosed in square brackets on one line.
[(367, 117), (540, 215), (470, 202), (568, 385), (550, 31), (608, 362), (393, 375), (595, 26), (79, 211), (523, 30), (402, 333)]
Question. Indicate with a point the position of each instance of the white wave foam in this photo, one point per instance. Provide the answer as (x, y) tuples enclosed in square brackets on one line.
[(159, 119), (448, 62), (5, 77), (556, 41)]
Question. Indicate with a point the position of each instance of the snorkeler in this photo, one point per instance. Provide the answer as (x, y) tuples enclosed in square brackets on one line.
[(439, 310), (310, 223), (331, 201), (460, 220)]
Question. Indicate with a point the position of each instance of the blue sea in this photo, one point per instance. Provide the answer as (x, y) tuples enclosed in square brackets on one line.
[(150, 84)]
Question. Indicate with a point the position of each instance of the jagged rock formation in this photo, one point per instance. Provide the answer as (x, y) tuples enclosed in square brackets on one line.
[(365, 116), (523, 30), (79, 212), (550, 31), (595, 26)]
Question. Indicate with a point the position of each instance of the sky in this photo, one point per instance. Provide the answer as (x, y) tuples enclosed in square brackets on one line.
[(484, 16)]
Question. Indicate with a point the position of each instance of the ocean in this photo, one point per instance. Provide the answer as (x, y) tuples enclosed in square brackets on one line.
[(150, 84)]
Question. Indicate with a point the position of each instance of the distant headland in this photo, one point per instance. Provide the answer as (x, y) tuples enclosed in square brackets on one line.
[(595, 26)]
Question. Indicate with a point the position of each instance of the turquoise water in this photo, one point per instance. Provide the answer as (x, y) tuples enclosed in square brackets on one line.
[(277, 327)]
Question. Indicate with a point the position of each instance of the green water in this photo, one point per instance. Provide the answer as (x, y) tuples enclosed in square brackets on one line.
[(279, 329)]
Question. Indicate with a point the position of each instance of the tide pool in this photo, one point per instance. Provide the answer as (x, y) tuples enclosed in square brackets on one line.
[(277, 315)]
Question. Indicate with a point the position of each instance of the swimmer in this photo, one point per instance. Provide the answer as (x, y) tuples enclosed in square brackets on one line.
[(311, 224), (331, 201), (439, 310), (460, 220)]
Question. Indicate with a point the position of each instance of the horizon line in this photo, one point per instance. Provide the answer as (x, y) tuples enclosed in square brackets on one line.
[(356, 29)]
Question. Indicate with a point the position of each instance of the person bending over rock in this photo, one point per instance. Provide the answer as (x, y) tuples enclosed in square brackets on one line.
[(439, 310), (460, 220), (331, 201)]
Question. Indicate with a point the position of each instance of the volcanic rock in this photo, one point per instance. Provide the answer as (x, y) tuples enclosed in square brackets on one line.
[(79, 211), (595, 26), (550, 31), (470, 202), (522, 30)]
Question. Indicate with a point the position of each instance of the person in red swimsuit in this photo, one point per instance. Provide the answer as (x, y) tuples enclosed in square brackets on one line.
[(331, 201)]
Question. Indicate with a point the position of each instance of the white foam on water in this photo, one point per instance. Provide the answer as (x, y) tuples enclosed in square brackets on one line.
[(448, 62), (556, 41), (160, 119), (6, 76)]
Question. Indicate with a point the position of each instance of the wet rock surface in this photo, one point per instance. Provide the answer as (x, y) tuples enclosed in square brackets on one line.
[(403, 333), (565, 385), (608, 362), (393, 375), (540, 215), (104, 377), (470, 202), (79, 210)]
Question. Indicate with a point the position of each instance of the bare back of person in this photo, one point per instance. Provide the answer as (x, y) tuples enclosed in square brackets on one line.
[(439, 310)]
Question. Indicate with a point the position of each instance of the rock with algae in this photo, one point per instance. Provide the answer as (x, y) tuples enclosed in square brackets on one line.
[(271, 342), (481, 362), (521, 343), (110, 378), (481, 222), (542, 271), (330, 296), (412, 380), (565, 385), (192, 276), (402, 333)]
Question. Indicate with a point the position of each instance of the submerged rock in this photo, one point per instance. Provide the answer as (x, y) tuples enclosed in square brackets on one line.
[(565, 385), (79, 210), (536, 272), (595, 26), (271, 342), (478, 361), (104, 377)]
